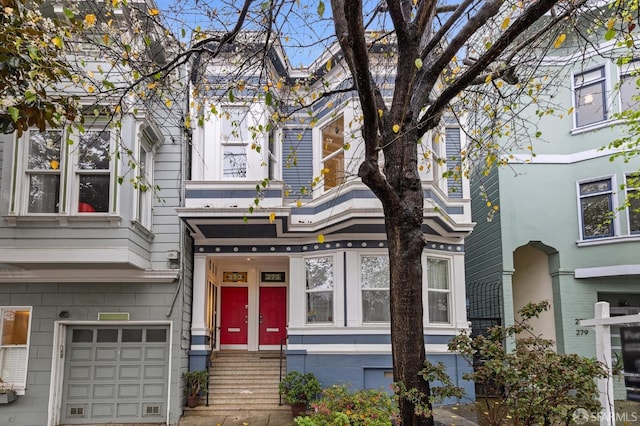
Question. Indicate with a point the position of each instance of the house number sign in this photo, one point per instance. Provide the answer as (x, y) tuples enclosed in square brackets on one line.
[(234, 277), (272, 277)]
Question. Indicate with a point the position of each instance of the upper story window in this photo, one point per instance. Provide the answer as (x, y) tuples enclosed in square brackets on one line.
[(144, 180), (67, 171), (590, 96), (319, 289), (15, 323), (374, 282), (596, 208), (234, 135), (633, 196), (332, 154), (628, 88), (438, 290)]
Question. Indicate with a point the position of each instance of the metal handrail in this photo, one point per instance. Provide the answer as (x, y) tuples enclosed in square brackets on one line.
[(282, 342)]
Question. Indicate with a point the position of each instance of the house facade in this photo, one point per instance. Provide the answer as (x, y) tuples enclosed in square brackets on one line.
[(564, 231), (94, 269), (290, 250)]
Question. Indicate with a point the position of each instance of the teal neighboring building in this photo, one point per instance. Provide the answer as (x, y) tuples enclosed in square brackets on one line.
[(563, 230)]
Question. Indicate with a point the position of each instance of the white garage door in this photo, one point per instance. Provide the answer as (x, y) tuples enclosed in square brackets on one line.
[(115, 374)]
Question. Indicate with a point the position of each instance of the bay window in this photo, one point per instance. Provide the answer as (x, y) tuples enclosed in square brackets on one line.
[(633, 197), (43, 171), (319, 289), (234, 135), (590, 97), (374, 282), (438, 290), (332, 154)]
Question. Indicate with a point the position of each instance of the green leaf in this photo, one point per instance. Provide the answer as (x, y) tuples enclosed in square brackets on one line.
[(321, 8), (231, 96), (265, 5), (268, 98), (609, 35), (68, 13), (14, 113)]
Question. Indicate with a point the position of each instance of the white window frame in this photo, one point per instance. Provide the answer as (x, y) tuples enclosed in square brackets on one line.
[(20, 384), (274, 153), (629, 190), (144, 176), (613, 200), (231, 142), (69, 172), (448, 291), (333, 290), (361, 290), (603, 80), (318, 156)]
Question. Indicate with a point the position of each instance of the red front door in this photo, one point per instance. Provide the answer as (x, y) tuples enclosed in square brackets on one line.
[(273, 315), (233, 315)]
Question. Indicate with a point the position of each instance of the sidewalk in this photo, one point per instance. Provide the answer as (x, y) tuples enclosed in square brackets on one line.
[(443, 416)]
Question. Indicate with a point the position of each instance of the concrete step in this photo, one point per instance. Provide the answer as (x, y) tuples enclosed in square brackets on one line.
[(244, 409)]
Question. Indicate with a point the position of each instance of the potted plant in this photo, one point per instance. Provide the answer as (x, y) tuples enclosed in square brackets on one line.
[(298, 389), (7, 393), (196, 383)]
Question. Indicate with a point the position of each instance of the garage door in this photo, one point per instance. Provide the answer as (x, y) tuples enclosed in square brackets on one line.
[(115, 374)]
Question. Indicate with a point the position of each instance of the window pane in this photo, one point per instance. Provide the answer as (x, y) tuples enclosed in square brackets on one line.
[(156, 335), (333, 153), (235, 161), (319, 273), (15, 327), (588, 76), (44, 193), (374, 271), (82, 335), (590, 104), (628, 89), (132, 335), (320, 307), (93, 150), (634, 212), (595, 187), (44, 150), (596, 218), (438, 307), (438, 273), (94, 193), (375, 306), (107, 335), (233, 125)]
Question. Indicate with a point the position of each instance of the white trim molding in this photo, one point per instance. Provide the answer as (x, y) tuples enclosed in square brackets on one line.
[(607, 271)]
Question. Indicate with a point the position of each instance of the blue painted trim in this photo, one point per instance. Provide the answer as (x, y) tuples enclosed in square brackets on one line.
[(367, 339), (293, 352), (436, 339), (231, 193), (317, 247), (199, 339), (344, 290)]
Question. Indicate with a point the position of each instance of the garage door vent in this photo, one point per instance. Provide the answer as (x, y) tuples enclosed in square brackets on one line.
[(76, 411), (153, 410)]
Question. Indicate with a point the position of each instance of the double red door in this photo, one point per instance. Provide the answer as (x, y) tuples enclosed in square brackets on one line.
[(234, 315)]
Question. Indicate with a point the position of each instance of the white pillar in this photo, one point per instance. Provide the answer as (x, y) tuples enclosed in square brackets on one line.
[(198, 302), (603, 354)]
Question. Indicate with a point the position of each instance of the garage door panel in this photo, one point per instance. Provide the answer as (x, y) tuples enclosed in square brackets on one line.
[(105, 372), (104, 391), (115, 374), (155, 354), (80, 354), (106, 354)]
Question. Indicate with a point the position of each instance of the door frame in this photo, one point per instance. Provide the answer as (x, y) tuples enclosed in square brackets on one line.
[(60, 352)]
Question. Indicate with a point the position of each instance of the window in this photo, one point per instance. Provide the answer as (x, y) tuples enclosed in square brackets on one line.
[(633, 196), (590, 97), (332, 162), (68, 172), (234, 134), (374, 281), (319, 290), (628, 87), (144, 183), (596, 208), (438, 290), (272, 154), (14, 345)]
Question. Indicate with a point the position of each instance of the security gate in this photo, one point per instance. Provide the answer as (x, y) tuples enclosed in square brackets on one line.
[(115, 374)]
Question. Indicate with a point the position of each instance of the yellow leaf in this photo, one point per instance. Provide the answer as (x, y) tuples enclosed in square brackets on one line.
[(90, 19), (118, 109), (499, 84), (279, 85), (561, 38), (570, 110), (153, 12), (168, 103), (57, 41), (151, 86), (418, 63), (105, 38), (91, 89), (329, 65), (505, 23), (488, 79), (611, 23), (54, 164), (380, 112), (396, 128), (321, 238), (299, 203), (272, 217)]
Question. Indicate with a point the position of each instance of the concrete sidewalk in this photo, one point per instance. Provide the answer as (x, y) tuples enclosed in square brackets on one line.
[(444, 416)]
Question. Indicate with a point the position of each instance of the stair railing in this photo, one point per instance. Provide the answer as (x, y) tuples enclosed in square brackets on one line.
[(282, 343)]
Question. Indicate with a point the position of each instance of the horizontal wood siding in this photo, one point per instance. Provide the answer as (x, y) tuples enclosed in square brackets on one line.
[(297, 155), (483, 248), (453, 147)]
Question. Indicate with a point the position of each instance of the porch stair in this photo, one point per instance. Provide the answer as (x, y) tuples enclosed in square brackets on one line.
[(242, 383)]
